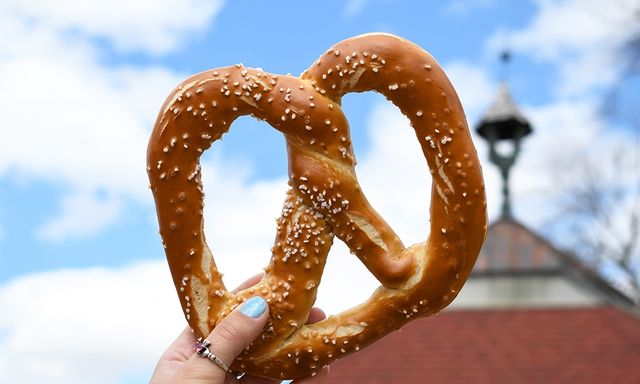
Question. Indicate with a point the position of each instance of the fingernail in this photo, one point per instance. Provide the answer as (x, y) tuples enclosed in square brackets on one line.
[(254, 307)]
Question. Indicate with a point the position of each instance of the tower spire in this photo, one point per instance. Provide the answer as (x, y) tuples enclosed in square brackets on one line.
[(503, 121)]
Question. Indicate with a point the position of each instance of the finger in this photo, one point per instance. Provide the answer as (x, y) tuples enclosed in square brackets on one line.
[(238, 330), (182, 347), (228, 339), (318, 378), (315, 315), (250, 282), (174, 357)]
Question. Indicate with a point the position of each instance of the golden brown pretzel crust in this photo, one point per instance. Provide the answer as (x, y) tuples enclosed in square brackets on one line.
[(324, 200)]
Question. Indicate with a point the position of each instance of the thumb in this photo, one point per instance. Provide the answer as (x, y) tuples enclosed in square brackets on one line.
[(227, 340)]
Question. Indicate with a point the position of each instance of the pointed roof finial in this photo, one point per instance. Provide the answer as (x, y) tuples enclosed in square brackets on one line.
[(505, 58)]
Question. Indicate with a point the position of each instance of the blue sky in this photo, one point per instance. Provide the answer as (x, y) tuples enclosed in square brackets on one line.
[(81, 83)]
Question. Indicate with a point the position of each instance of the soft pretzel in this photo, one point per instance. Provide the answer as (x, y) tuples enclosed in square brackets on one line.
[(325, 199)]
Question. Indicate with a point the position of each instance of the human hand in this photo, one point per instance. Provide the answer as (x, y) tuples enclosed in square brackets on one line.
[(179, 363)]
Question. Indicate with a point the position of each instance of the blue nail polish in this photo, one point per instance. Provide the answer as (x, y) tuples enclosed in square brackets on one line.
[(254, 307)]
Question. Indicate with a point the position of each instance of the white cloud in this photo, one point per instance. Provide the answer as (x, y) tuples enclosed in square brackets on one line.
[(574, 141), (74, 129), (580, 36), (98, 325), (79, 125), (559, 128), (149, 25), (394, 174), (71, 121), (85, 126), (83, 214)]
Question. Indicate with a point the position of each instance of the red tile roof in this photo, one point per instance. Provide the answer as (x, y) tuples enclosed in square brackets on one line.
[(581, 345)]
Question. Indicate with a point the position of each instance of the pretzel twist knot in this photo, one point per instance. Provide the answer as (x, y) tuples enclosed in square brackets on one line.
[(324, 199)]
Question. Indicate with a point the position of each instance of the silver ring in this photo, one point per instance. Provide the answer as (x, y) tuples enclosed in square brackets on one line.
[(202, 350)]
